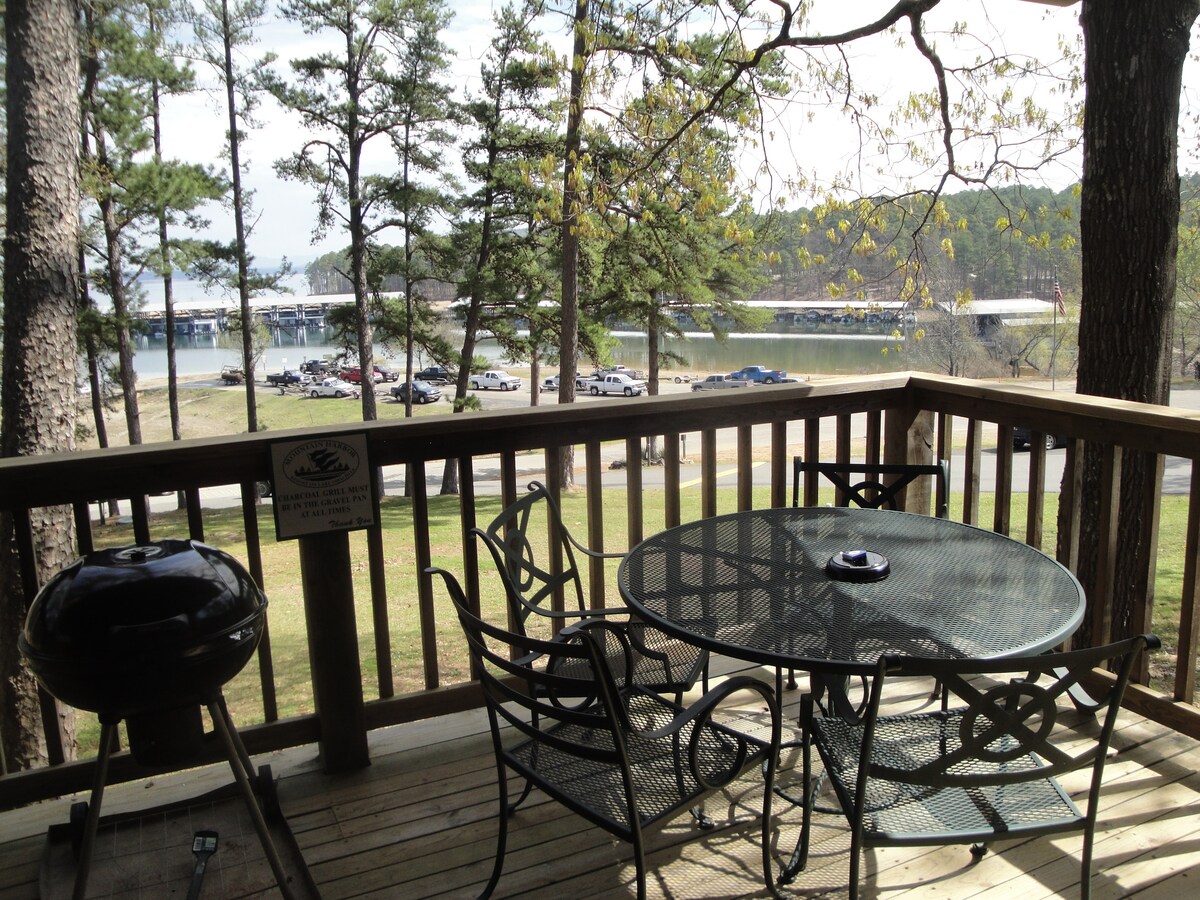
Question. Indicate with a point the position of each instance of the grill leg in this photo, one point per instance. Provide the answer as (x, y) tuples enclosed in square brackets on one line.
[(108, 736), (236, 752)]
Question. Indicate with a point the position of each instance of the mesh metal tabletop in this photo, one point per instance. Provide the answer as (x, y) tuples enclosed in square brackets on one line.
[(754, 586)]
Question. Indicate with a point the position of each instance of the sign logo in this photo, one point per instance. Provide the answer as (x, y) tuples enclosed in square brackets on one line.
[(322, 463)]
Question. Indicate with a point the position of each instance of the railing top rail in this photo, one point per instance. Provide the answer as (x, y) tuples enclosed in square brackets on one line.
[(200, 462), (64, 478), (1106, 420)]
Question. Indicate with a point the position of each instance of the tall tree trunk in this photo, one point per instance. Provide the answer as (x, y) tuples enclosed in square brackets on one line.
[(568, 352), (41, 290), (1128, 228), (112, 241), (239, 222), (168, 276)]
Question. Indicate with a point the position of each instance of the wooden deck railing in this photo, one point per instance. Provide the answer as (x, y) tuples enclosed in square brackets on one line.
[(894, 418)]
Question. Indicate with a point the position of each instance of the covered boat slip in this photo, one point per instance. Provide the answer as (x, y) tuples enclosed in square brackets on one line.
[(420, 821)]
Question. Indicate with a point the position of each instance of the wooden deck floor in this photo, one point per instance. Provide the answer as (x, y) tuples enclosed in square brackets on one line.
[(420, 822)]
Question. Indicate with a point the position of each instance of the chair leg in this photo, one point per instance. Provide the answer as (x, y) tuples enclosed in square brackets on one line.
[(502, 836), (1085, 867), (800, 855), (639, 859), (855, 863)]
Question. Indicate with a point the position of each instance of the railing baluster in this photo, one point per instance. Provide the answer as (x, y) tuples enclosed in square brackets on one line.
[(140, 507), (379, 609), (842, 449), (595, 520), (1037, 492), (83, 527), (633, 491), (420, 515), (1101, 599), (1002, 512), (972, 460), (1141, 616), (195, 515), (1189, 614), (672, 451), (745, 467), (509, 492), (944, 451), (779, 464), (812, 450), (266, 664), (873, 452), (708, 473), (1070, 507)]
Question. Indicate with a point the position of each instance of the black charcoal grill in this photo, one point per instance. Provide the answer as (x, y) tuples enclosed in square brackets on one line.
[(148, 634)]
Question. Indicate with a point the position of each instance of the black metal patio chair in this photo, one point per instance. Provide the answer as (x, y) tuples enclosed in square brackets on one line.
[(623, 757), (871, 486), (982, 771), (874, 485), (661, 663)]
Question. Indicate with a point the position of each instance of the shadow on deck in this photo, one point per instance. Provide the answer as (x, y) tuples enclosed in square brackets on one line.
[(420, 822)]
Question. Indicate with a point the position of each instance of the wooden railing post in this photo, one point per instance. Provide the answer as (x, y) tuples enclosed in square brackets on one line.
[(333, 650), (908, 438)]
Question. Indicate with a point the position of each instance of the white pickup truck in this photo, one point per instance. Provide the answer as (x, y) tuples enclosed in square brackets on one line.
[(719, 383), (495, 379), (615, 384)]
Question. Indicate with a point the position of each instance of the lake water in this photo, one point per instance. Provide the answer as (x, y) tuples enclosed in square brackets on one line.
[(798, 354), (804, 350)]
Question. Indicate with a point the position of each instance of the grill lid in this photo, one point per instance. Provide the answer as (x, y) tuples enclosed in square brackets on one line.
[(145, 626)]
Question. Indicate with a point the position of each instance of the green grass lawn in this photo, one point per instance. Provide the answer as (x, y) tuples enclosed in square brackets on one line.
[(289, 642)]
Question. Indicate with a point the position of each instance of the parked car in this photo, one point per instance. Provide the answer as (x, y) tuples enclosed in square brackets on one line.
[(232, 374), (333, 387), (1023, 437), (551, 383), (615, 384), (385, 373), (759, 374), (354, 375), (288, 376), (436, 375), (495, 378), (719, 383), (320, 367), (422, 391)]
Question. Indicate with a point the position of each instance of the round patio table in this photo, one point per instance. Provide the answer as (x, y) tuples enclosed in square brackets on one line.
[(789, 587)]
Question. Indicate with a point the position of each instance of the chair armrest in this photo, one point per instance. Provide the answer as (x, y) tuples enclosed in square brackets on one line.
[(583, 614), (589, 552), (699, 716)]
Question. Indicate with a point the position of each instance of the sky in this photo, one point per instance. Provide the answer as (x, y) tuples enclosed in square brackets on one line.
[(804, 137)]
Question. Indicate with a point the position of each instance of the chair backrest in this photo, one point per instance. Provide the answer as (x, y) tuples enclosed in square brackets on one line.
[(537, 686), (871, 485), (1010, 728), (532, 586)]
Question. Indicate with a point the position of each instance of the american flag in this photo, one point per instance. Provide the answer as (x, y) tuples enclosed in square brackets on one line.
[(1058, 300)]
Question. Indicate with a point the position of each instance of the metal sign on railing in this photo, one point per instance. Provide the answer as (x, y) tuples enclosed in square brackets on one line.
[(323, 484)]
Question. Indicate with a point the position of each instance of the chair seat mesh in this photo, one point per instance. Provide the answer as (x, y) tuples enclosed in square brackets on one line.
[(663, 784), (898, 810)]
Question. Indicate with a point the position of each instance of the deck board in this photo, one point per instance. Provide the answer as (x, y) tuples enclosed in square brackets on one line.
[(420, 822)]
